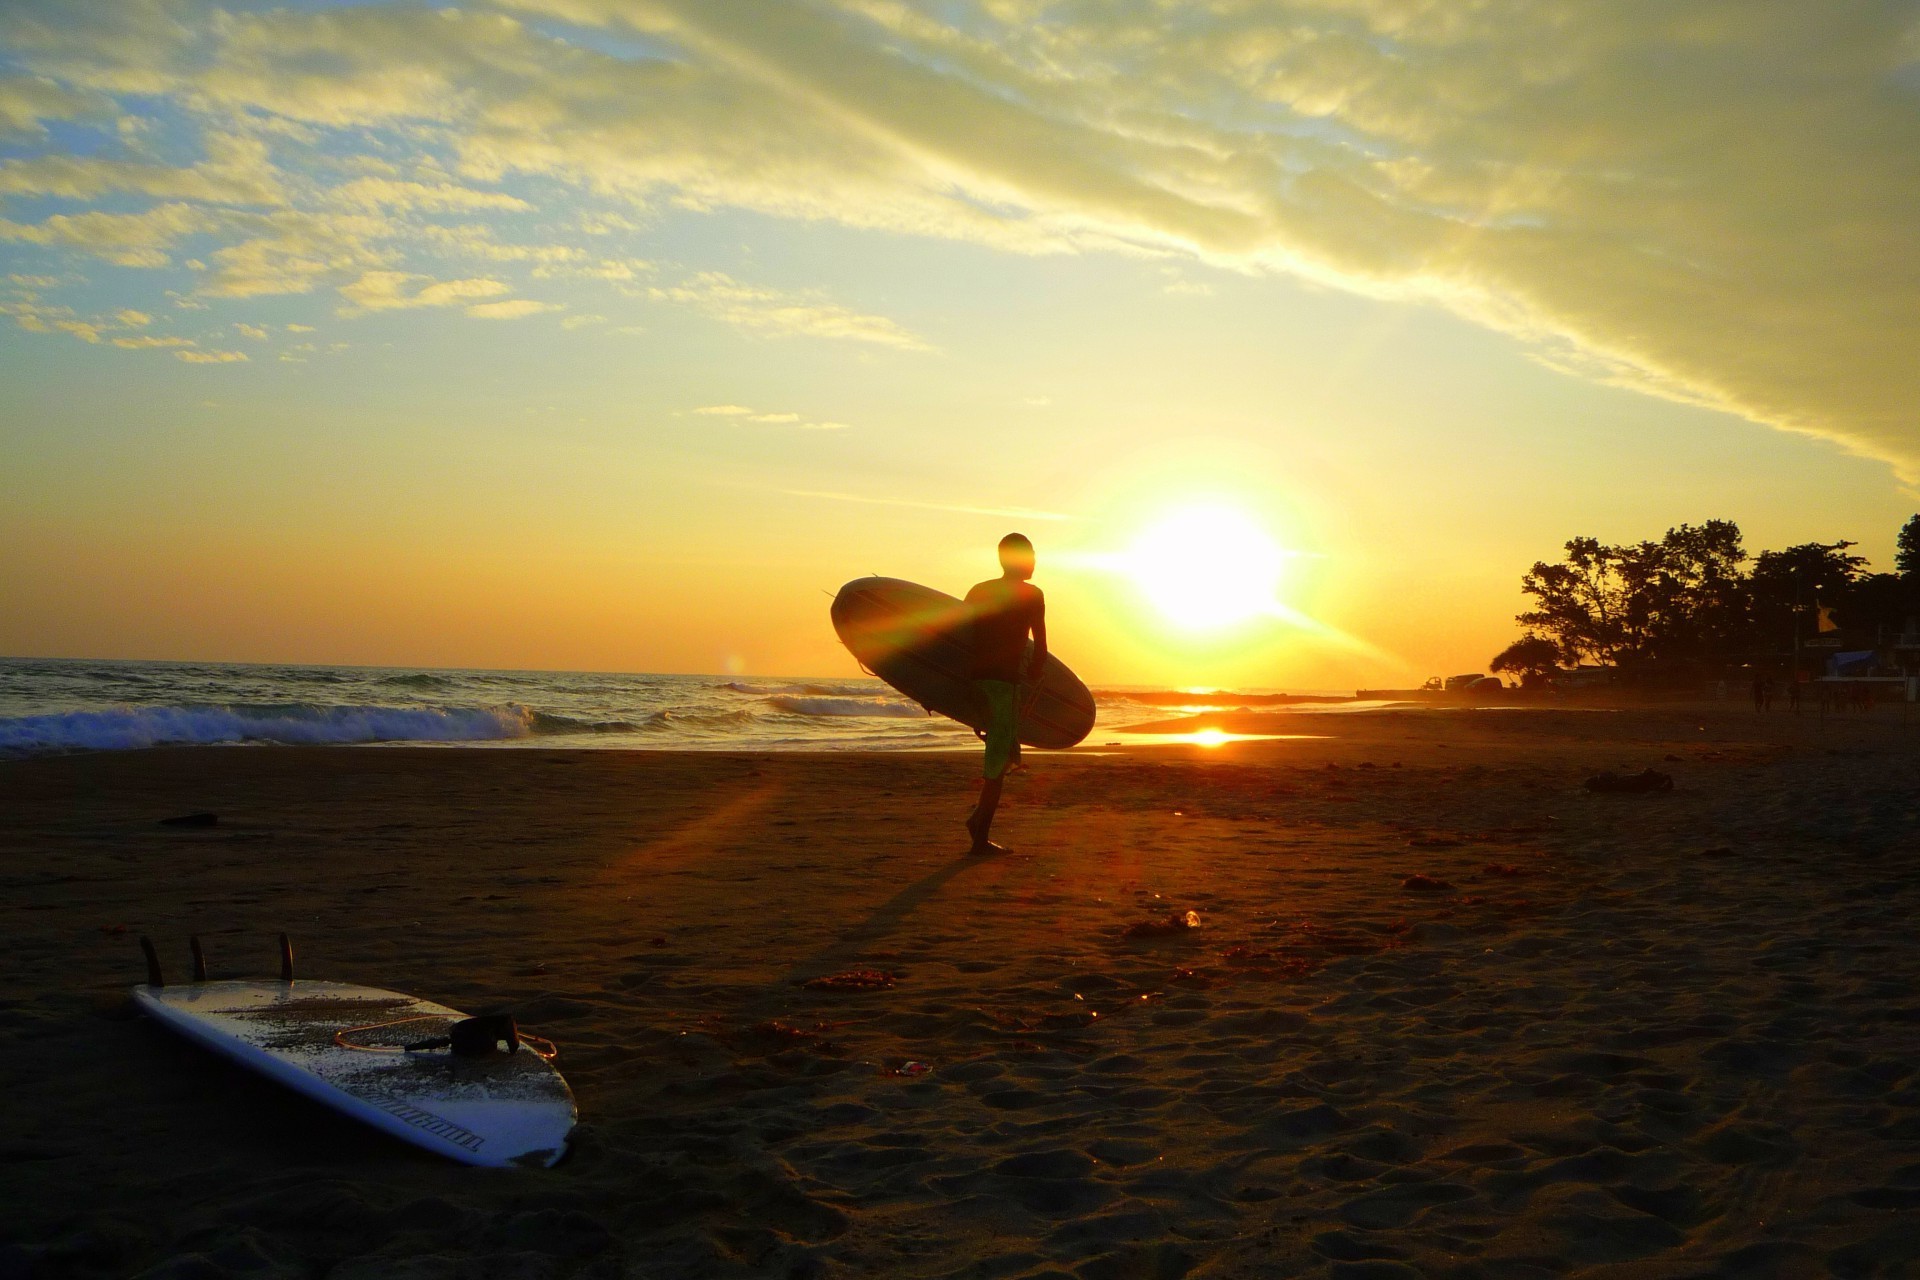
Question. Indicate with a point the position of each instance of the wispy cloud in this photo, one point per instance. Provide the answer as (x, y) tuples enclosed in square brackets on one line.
[(511, 309), (779, 418), (1011, 513), (778, 313), (398, 290)]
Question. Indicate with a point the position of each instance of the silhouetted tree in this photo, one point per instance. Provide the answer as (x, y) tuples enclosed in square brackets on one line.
[(1690, 598), (1786, 586), (1693, 592), (1906, 556), (1530, 657), (1683, 597), (1876, 604), (1582, 602)]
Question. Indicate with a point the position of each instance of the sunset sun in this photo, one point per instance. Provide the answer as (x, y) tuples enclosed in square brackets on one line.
[(1205, 568)]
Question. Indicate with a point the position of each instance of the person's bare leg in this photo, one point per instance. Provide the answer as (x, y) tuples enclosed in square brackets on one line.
[(980, 825)]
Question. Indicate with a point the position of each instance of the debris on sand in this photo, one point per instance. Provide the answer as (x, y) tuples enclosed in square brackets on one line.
[(908, 1068), (1177, 923), (853, 980), (1646, 781)]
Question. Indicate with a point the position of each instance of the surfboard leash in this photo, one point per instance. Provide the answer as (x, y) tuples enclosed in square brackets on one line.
[(469, 1037)]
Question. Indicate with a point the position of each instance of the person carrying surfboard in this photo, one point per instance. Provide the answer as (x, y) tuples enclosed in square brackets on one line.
[(1003, 612)]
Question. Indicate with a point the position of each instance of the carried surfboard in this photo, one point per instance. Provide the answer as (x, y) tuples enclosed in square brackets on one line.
[(346, 1047), (918, 641)]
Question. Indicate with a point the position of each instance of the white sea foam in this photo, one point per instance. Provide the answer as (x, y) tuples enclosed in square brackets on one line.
[(56, 705), (126, 728)]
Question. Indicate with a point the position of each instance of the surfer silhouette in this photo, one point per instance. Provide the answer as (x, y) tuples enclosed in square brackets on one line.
[(1003, 612)]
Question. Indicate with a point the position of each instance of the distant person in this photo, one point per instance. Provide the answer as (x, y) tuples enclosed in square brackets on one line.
[(1003, 612), (1759, 693)]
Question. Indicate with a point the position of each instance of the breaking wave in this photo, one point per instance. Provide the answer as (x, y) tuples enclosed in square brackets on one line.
[(127, 728)]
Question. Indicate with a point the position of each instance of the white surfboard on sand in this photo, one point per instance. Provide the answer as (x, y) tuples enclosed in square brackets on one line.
[(497, 1109)]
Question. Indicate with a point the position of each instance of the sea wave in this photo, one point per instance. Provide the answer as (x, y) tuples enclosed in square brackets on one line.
[(804, 690), (709, 720), (128, 728), (418, 680), (843, 706), (547, 722)]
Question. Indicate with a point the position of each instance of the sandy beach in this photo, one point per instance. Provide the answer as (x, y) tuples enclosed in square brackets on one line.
[(1445, 1013)]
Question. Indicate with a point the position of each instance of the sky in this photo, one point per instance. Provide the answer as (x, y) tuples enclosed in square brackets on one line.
[(617, 334)]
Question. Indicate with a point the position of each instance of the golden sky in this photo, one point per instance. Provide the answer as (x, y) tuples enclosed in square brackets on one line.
[(611, 333)]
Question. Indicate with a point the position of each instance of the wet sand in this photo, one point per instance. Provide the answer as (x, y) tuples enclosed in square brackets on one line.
[(1445, 1014)]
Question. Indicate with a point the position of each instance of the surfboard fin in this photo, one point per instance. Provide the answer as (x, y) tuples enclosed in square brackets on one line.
[(153, 962), (199, 958), (286, 959)]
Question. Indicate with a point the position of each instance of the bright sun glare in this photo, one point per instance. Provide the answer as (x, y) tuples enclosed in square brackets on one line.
[(1207, 567)]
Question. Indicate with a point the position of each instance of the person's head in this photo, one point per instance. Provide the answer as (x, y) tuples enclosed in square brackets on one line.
[(1016, 556)]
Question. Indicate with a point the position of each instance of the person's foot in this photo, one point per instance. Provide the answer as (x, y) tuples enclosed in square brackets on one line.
[(985, 849)]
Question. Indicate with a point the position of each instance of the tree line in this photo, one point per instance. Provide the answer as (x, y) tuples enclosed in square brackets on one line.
[(1696, 598)]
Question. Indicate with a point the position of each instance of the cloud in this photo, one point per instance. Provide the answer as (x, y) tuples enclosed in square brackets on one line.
[(253, 331), (1011, 513), (615, 271), (773, 312), (395, 290), (296, 251), (782, 418), (210, 357), (148, 341), (1712, 202), (237, 172), (477, 240), (435, 197), (133, 319), (512, 309), (26, 101), (143, 239)]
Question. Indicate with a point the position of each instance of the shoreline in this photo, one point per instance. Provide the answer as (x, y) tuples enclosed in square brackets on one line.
[(1445, 1010), (1238, 720)]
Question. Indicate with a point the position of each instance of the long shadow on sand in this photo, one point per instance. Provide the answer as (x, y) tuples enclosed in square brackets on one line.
[(881, 923)]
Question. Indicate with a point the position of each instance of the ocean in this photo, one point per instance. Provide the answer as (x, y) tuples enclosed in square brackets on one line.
[(58, 705)]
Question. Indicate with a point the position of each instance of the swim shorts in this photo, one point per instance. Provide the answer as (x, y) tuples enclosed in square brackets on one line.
[(1000, 717)]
